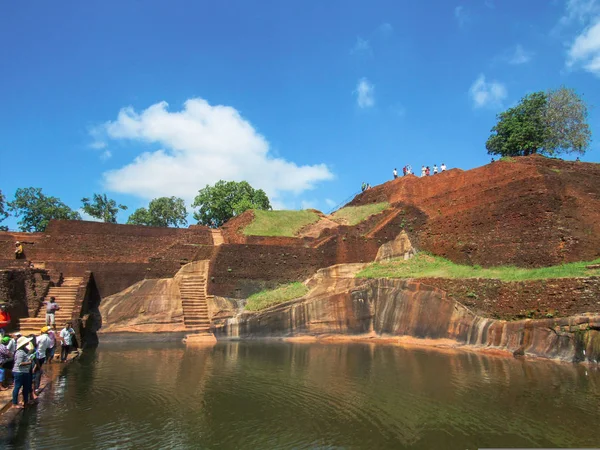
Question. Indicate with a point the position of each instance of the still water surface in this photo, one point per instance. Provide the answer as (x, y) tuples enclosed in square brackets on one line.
[(261, 395)]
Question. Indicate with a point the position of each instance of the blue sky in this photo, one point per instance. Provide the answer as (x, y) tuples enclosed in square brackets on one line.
[(305, 99)]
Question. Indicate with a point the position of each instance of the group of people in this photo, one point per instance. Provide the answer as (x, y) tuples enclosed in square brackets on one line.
[(23, 357), (425, 170), (365, 186)]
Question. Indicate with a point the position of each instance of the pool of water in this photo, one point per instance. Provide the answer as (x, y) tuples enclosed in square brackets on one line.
[(272, 395)]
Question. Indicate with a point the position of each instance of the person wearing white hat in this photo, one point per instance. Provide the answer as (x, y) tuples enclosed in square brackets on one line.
[(21, 373)]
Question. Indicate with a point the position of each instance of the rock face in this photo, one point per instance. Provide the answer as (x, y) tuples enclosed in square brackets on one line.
[(339, 304), (148, 306)]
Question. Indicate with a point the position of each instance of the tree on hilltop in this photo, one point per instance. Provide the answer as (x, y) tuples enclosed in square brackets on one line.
[(227, 199), (161, 212), (102, 208), (37, 209), (3, 213), (549, 123)]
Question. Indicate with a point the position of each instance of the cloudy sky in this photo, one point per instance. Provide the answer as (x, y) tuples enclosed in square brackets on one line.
[(304, 99)]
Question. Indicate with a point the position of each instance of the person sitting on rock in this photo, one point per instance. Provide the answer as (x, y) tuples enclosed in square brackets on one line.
[(18, 250)]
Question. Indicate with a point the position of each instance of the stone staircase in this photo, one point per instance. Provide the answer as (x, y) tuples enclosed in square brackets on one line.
[(217, 237), (65, 296), (193, 298)]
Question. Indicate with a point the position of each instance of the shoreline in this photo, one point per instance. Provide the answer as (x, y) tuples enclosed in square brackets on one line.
[(51, 373)]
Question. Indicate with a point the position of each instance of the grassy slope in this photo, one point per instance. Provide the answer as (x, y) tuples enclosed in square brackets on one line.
[(428, 266), (352, 215), (279, 223), (282, 294)]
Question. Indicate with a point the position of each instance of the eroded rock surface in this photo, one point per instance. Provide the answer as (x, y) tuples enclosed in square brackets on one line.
[(339, 304)]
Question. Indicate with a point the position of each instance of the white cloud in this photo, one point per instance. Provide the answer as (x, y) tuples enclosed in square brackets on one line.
[(98, 145), (579, 12), (585, 50), (487, 94), (106, 154), (362, 47), (520, 55), (461, 16), (200, 145), (385, 29), (365, 94), (86, 216)]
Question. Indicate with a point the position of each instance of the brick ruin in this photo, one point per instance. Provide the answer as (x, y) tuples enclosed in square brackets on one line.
[(531, 212)]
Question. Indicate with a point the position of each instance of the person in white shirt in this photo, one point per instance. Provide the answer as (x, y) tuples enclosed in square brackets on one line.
[(66, 335), (435, 169), (395, 173), (443, 167)]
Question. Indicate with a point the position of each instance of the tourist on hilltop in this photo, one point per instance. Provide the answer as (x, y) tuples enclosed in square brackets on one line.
[(4, 318), (66, 334), (404, 171), (493, 160), (42, 345), (18, 250), (363, 187), (5, 358), (427, 171), (395, 172), (409, 169), (51, 308), (443, 167), (21, 372), (52, 348), (422, 171), (435, 169)]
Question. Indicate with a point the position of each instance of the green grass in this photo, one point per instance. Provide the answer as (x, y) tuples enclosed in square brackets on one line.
[(507, 159), (428, 266), (352, 215), (279, 223), (265, 299)]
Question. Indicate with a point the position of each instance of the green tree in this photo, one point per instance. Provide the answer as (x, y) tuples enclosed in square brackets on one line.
[(102, 208), (550, 123), (3, 213), (520, 130), (161, 212), (36, 209), (227, 199), (565, 119)]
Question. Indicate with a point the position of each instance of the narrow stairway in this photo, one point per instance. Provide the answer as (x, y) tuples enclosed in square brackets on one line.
[(65, 296), (217, 237), (193, 299)]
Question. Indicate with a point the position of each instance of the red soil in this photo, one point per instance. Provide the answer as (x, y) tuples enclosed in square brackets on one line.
[(534, 211)]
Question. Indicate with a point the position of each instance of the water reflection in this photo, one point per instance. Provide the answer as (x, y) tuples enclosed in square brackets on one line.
[(282, 395)]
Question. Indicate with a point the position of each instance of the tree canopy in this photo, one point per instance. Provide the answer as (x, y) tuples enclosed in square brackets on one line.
[(3, 213), (102, 208), (227, 199), (36, 209), (161, 212), (550, 123)]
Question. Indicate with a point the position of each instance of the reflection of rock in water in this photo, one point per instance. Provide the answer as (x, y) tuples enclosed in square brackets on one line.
[(343, 305)]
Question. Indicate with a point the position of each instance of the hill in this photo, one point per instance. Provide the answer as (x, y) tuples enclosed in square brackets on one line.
[(529, 211)]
